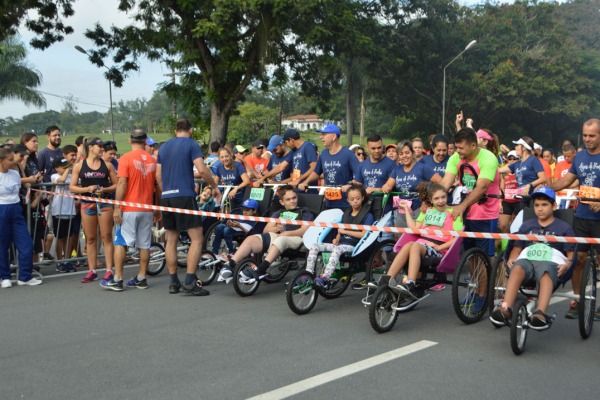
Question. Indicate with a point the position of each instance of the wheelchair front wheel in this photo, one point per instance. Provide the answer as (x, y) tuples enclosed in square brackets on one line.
[(157, 259), (587, 299), (278, 269), (470, 286), (381, 314), (208, 268), (301, 295), (245, 289), (518, 327)]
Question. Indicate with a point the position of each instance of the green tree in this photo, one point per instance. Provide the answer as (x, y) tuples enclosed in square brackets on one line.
[(253, 121), (17, 79)]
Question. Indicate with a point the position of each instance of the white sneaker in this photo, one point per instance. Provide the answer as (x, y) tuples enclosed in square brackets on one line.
[(31, 282), (226, 273), (6, 283)]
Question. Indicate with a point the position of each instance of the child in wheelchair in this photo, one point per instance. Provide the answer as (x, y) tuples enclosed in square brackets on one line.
[(231, 227), (275, 239), (545, 262), (346, 239), (435, 214)]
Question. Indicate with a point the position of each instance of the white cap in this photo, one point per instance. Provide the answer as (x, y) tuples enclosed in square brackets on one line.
[(537, 146), (354, 146), (512, 153), (523, 143)]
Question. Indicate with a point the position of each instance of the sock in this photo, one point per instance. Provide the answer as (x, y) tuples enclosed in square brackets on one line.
[(232, 264), (190, 278), (117, 280), (174, 278), (94, 271), (141, 277), (263, 267)]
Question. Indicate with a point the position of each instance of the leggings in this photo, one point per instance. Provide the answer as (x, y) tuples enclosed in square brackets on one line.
[(336, 252)]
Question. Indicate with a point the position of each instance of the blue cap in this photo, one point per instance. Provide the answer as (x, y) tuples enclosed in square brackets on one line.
[(275, 141), (150, 142), (331, 128), (250, 203), (544, 191)]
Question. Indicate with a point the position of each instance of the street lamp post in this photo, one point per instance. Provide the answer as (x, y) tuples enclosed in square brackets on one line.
[(469, 46), (112, 120)]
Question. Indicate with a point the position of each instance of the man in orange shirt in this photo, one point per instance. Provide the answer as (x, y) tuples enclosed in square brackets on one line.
[(256, 164), (136, 184)]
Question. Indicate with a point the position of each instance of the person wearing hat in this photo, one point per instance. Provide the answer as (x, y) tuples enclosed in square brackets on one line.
[(544, 261), (239, 153), (279, 168), (228, 228), (510, 205), (538, 151), (528, 171), (256, 164), (337, 164), (175, 176), (149, 145), (136, 184), (587, 214), (63, 213), (93, 177), (391, 152), (304, 156)]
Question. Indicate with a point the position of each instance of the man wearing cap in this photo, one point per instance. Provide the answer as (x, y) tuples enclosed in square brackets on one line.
[(279, 167), (337, 164), (585, 168), (136, 184), (304, 156), (50, 152), (255, 163), (174, 173), (149, 145)]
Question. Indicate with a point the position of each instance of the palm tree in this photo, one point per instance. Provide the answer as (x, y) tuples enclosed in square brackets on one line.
[(17, 79)]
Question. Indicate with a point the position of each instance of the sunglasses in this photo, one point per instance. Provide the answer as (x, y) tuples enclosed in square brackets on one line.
[(512, 159), (360, 154)]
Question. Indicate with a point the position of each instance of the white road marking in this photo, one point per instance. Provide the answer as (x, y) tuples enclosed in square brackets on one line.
[(342, 372)]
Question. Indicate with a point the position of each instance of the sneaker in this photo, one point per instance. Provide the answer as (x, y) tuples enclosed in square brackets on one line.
[(112, 285), (48, 257), (322, 282), (195, 289), (5, 283), (498, 318), (90, 277), (174, 287), (71, 267), (31, 282), (597, 315), (478, 304), (134, 282), (108, 275), (360, 285), (226, 273), (573, 311), (62, 268), (467, 301), (249, 275)]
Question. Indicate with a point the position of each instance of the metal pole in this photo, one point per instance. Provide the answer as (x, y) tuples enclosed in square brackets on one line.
[(112, 119)]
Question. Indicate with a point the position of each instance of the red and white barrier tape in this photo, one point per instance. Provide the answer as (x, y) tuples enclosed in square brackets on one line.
[(474, 235)]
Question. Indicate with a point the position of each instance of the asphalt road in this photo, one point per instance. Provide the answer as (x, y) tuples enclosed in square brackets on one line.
[(69, 340)]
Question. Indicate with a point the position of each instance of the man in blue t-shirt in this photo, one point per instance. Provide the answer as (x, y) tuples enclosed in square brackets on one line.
[(280, 164), (586, 169), (438, 158), (304, 156), (175, 176), (212, 161), (337, 164), (47, 155)]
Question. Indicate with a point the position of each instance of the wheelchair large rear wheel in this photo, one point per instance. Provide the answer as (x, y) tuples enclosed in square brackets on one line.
[(209, 238), (244, 289), (587, 299), (381, 314), (157, 259), (498, 279), (208, 268), (301, 295), (518, 327), (379, 260), (470, 286)]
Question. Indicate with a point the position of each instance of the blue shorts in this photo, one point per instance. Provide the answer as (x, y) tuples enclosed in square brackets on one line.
[(484, 225)]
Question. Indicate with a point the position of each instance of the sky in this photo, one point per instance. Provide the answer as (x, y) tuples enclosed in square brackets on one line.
[(67, 72)]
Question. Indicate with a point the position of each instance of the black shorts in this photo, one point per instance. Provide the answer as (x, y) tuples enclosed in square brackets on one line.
[(76, 224), (180, 221), (586, 228), (62, 227), (511, 208)]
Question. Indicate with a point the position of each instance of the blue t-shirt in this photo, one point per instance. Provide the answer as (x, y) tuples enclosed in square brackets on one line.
[(526, 171), (276, 160), (45, 158), (587, 168), (440, 168), (408, 181), (212, 161), (176, 157), (556, 228), (301, 214), (302, 157), (338, 170), (375, 175), (232, 178), (351, 240)]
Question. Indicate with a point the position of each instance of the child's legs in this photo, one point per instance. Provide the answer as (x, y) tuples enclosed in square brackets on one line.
[(311, 259), (515, 279), (400, 260), (336, 253), (545, 287), (219, 231), (417, 251), (252, 244), (228, 236)]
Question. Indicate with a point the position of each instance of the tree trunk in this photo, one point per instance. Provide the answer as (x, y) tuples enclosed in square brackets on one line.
[(363, 111), (219, 122), (350, 110)]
